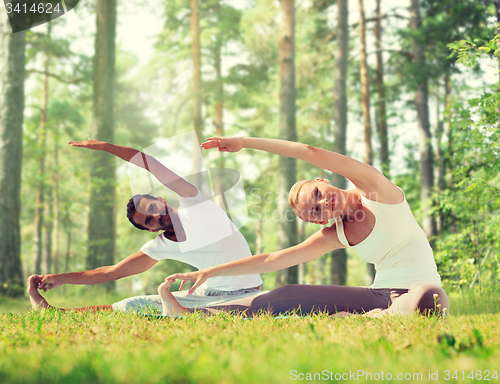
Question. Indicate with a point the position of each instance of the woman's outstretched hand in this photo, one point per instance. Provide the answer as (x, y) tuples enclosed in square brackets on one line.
[(225, 144), (96, 145), (198, 277)]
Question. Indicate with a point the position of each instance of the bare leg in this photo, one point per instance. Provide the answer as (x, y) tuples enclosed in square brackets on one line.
[(171, 306), (38, 302)]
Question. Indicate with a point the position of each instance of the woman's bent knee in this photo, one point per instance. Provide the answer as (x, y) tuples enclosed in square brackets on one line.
[(433, 299)]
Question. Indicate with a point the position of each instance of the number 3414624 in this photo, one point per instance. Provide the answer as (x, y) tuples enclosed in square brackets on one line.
[(34, 8), (477, 375)]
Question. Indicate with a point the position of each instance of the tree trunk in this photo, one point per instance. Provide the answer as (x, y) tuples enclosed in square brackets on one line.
[(287, 226), (101, 230), (423, 125), (68, 226), (338, 271), (42, 147), (259, 241), (365, 87), (197, 120), (196, 55), (56, 205), (381, 109), (48, 232), (449, 150), (219, 84), (440, 173), (302, 266), (12, 48), (68, 250), (219, 106), (365, 107), (449, 132)]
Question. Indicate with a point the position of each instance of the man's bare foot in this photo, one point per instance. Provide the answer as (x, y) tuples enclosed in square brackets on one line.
[(37, 301), (171, 306)]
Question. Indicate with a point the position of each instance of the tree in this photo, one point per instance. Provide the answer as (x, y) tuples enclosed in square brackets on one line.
[(196, 55), (221, 24), (423, 123), (426, 48), (381, 105), (219, 82), (365, 106), (40, 195), (365, 86), (55, 177), (101, 227), (338, 272), (287, 228), (12, 48)]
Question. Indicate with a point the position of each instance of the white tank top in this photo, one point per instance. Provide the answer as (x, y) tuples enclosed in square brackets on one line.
[(397, 246)]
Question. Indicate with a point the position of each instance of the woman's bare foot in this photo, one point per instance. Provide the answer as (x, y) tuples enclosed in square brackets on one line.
[(37, 301), (171, 306), (343, 314), (377, 312)]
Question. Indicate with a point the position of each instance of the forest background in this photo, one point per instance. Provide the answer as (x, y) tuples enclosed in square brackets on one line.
[(410, 87)]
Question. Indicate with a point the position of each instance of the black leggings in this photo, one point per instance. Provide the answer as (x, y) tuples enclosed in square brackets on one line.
[(421, 297)]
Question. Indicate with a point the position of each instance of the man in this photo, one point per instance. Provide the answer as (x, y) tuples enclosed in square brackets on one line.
[(198, 233)]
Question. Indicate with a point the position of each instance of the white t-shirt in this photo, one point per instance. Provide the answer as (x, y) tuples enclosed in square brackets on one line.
[(211, 239)]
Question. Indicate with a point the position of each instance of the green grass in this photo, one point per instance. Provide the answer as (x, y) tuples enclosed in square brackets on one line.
[(58, 347)]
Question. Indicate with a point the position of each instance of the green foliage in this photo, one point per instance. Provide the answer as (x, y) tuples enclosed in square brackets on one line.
[(467, 249), (468, 53), (443, 23)]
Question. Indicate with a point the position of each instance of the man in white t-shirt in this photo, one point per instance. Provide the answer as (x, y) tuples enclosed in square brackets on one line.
[(198, 233)]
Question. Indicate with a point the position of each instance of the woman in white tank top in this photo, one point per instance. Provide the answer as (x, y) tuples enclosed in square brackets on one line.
[(373, 218)]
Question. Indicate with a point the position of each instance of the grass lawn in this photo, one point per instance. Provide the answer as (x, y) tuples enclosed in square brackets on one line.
[(58, 347)]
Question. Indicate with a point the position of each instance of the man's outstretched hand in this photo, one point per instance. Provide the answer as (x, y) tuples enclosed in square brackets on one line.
[(43, 282), (96, 145)]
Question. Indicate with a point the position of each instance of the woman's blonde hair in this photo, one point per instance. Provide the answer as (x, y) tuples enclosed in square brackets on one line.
[(293, 195)]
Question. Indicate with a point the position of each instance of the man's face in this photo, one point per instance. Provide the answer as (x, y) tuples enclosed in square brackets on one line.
[(153, 214)]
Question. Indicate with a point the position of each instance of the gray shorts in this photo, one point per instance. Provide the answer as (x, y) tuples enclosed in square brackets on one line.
[(201, 298)]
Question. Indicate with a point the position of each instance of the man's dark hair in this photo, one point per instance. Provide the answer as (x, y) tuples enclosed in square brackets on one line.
[(131, 208)]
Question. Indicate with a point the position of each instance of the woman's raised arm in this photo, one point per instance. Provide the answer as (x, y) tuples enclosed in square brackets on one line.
[(363, 176), (315, 246)]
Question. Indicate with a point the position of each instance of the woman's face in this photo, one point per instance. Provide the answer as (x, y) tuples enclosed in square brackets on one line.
[(319, 202)]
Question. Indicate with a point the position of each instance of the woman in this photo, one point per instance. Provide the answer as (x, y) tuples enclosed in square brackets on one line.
[(374, 219)]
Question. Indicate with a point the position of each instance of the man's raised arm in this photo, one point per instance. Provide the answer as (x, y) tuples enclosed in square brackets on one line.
[(131, 265), (164, 175)]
